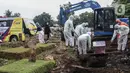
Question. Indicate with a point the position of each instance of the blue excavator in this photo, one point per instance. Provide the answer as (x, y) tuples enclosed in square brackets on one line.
[(104, 18), (104, 21)]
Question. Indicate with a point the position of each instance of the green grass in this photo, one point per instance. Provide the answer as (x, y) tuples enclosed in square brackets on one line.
[(44, 45), (23, 66), (6, 61), (14, 53), (20, 52), (16, 50)]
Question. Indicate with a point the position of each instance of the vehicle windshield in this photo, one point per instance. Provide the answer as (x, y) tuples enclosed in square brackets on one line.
[(99, 19), (29, 23)]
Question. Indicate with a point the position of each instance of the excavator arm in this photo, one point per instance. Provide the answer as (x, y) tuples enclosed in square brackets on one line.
[(75, 7)]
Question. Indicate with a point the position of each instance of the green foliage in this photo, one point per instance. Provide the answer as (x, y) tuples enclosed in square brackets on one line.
[(123, 1), (23, 66), (127, 9), (16, 15), (9, 13), (85, 17), (43, 18)]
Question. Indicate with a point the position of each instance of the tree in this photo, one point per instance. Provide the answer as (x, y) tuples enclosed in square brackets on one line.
[(16, 15), (77, 21), (84, 17), (43, 18), (87, 17), (8, 13)]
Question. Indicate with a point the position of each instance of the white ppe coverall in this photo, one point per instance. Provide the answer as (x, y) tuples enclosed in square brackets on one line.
[(122, 36), (79, 30), (83, 40), (68, 29), (86, 29), (41, 37)]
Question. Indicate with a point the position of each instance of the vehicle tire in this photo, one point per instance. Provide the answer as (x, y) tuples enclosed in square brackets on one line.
[(13, 39)]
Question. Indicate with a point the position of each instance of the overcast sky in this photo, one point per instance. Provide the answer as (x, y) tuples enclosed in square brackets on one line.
[(31, 8)]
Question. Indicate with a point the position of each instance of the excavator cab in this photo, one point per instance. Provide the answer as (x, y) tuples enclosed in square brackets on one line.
[(104, 21)]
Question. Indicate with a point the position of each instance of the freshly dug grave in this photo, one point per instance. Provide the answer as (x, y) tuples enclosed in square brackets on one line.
[(67, 62)]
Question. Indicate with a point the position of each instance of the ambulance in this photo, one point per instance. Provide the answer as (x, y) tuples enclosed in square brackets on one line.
[(15, 29)]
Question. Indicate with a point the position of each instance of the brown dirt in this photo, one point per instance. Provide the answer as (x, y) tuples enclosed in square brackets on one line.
[(67, 62)]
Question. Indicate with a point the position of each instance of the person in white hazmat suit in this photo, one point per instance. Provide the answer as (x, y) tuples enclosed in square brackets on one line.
[(83, 40), (86, 29), (41, 36), (68, 29), (121, 31), (79, 30)]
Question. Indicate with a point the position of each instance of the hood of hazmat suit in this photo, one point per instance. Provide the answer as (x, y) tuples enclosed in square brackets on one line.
[(116, 32), (71, 17), (86, 29), (79, 30), (69, 24)]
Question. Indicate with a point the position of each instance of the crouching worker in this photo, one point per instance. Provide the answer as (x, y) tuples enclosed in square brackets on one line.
[(84, 43)]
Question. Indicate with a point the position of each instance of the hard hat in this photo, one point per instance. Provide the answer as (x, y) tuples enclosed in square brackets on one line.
[(118, 21)]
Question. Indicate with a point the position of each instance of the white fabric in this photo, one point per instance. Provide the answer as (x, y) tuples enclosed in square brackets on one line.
[(68, 29), (123, 31), (122, 41), (79, 30), (83, 40), (86, 29), (116, 31), (41, 37)]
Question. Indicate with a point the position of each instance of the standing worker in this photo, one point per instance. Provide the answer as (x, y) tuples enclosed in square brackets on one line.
[(47, 31), (41, 36), (68, 29), (83, 40), (121, 31)]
